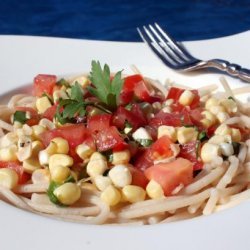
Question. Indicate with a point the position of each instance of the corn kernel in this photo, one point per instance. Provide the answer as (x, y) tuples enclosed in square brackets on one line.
[(43, 157), (88, 186), (170, 131), (208, 115), (47, 123), (8, 139), (40, 176), (223, 129), (222, 116), (30, 165), (121, 157), (211, 102), (217, 139), (111, 196), (185, 135), (97, 165), (36, 146), (59, 173), (206, 123), (57, 94), (62, 145), (154, 190), (42, 104), (60, 160), (82, 80), (52, 148), (37, 131), (186, 98), (120, 176), (133, 193), (84, 151), (236, 135), (68, 193), (167, 110), (102, 182), (209, 152), (8, 153), (217, 109), (8, 178), (230, 105)]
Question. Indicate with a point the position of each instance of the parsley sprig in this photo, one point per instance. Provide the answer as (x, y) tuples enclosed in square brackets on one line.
[(105, 89)]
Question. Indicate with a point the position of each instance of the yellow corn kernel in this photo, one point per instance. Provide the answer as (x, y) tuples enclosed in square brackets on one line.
[(8, 139), (37, 131), (185, 135), (84, 151), (210, 151), (217, 139), (208, 115), (62, 145), (88, 186), (154, 190), (236, 135), (60, 160), (42, 104), (120, 176), (8, 153), (57, 94), (8, 178), (97, 156), (121, 157), (170, 131), (111, 196), (217, 109), (43, 157), (52, 148), (206, 122), (36, 146), (223, 129), (41, 176), (230, 105), (211, 102), (167, 110), (82, 80), (30, 165), (102, 182), (186, 98), (68, 193), (133, 193), (59, 173), (47, 123), (222, 116), (96, 167)]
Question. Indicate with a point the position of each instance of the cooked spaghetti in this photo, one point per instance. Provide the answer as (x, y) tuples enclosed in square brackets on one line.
[(124, 150)]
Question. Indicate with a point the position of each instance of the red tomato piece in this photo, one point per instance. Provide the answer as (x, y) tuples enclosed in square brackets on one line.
[(161, 148), (44, 84), (98, 123), (143, 159), (138, 178), (162, 118), (189, 152), (50, 112), (109, 138), (174, 93), (196, 101), (171, 175), (18, 168), (34, 117)]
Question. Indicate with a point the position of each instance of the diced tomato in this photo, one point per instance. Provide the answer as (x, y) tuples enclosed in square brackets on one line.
[(166, 119), (138, 178), (196, 116), (50, 112), (211, 130), (143, 159), (44, 84), (134, 117), (34, 117), (161, 148), (172, 174), (189, 152), (196, 101), (18, 168), (98, 123), (74, 134), (174, 93), (109, 138)]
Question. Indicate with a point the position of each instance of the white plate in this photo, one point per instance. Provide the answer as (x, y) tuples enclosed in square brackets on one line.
[(24, 57)]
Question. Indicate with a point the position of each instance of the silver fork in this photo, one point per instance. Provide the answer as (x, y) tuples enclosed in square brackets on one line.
[(175, 56)]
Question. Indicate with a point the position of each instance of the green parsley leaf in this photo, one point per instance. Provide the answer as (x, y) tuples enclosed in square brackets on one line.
[(70, 179), (50, 192), (77, 92), (63, 82), (20, 116), (104, 89), (145, 142), (231, 98), (202, 136)]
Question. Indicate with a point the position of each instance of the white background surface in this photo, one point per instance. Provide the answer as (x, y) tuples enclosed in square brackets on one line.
[(21, 58)]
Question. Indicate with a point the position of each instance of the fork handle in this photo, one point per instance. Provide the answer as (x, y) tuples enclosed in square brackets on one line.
[(230, 68)]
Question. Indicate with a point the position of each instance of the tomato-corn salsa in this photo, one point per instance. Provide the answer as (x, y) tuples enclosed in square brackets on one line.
[(120, 136)]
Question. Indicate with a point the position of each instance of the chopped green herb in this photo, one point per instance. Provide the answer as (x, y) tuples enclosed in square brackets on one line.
[(20, 116), (202, 136), (145, 142), (231, 98), (128, 128), (236, 147), (105, 89), (197, 148), (128, 107), (108, 154), (70, 179), (50, 192), (63, 82), (189, 126)]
